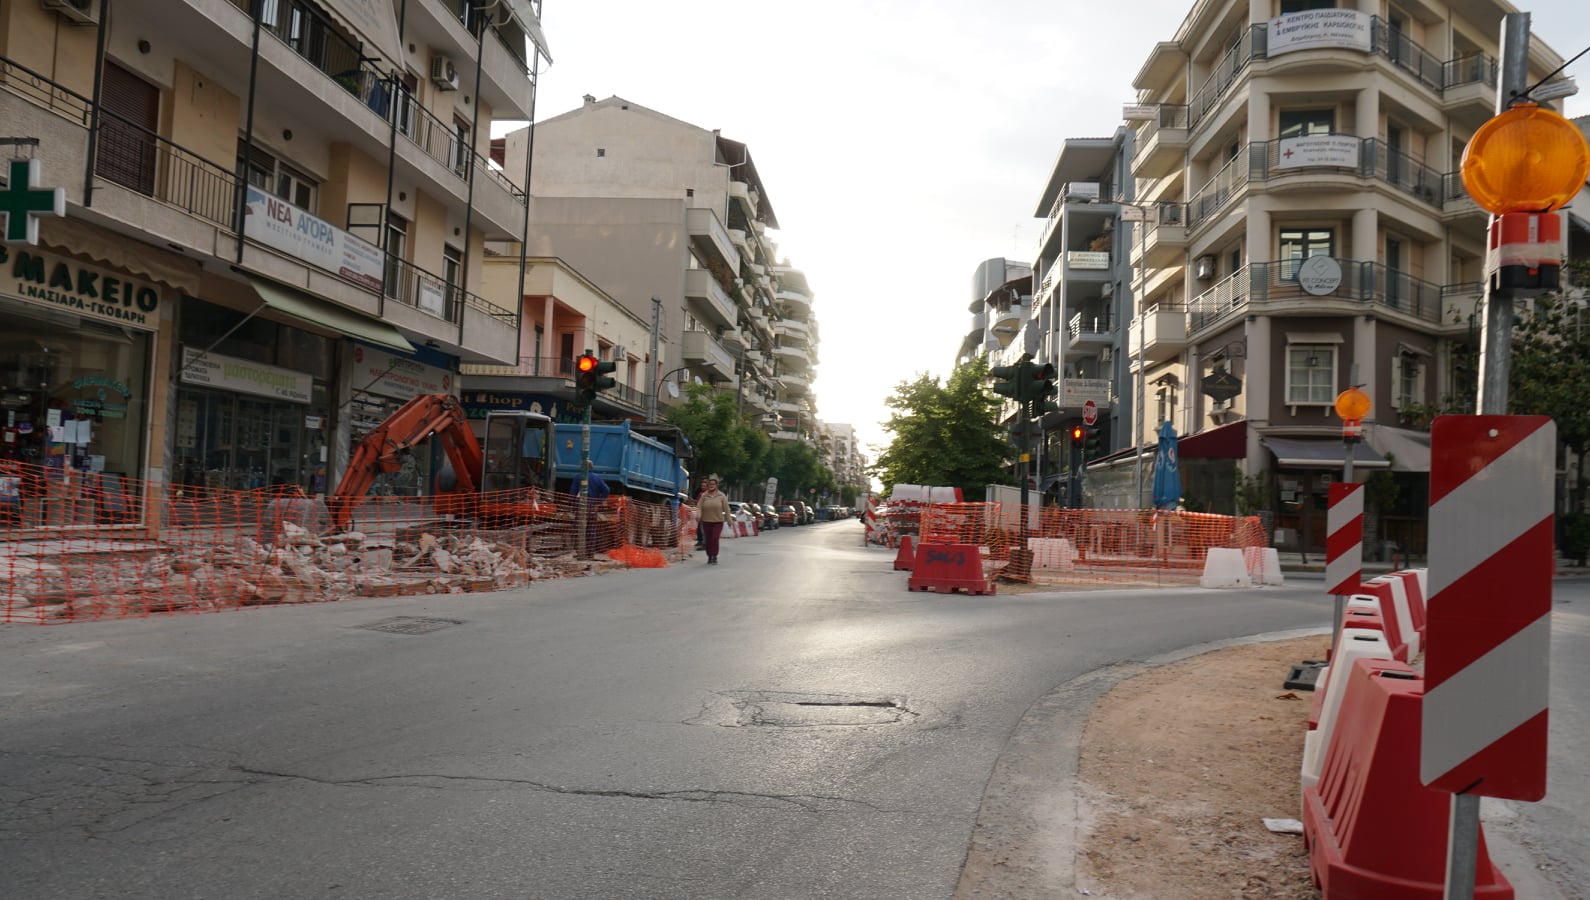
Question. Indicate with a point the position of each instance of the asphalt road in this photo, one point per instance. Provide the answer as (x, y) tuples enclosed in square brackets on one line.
[(791, 723)]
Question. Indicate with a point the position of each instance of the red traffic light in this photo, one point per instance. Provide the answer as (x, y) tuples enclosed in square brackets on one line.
[(1076, 434), (586, 363)]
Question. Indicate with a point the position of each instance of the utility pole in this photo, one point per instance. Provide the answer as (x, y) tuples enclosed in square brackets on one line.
[(656, 328)]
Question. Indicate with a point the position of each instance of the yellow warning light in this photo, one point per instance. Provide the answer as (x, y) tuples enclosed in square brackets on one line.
[(1527, 159), (1353, 404)]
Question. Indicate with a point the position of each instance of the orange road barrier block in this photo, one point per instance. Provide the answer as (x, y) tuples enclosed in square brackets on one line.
[(949, 568), (1371, 829), (905, 560)]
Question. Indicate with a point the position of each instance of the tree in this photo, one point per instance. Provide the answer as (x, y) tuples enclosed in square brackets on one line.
[(1550, 370), (726, 443), (945, 434), (798, 470)]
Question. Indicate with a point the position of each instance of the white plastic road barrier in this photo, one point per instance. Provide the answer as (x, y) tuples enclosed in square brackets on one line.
[(1052, 553), (1355, 643), (1224, 567), (1264, 565), (1399, 602)]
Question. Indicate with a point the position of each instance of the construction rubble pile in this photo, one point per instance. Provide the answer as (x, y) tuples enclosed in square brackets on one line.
[(299, 568)]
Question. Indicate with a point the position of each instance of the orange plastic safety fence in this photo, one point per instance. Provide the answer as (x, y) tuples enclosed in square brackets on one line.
[(79, 545), (1090, 546)]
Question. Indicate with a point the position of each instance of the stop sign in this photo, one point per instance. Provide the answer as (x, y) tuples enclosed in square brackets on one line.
[(1090, 412)]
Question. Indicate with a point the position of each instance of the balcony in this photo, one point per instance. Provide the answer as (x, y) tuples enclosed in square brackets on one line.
[(1088, 263), (702, 349), (1162, 142), (708, 297), (1468, 91), (741, 243), (1396, 47), (795, 303), (1462, 305), (1163, 241), (1308, 163), (1225, 73), (799, 357), (798, 384), (790, 328), (1361, 287), (1457, 207), (1159, 334), (709, 236), (426, 304), (1231, 180), (746, 196), (1085, 330)]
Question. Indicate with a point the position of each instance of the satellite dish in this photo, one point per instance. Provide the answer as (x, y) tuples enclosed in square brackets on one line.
[(695, 379), (673, 390)]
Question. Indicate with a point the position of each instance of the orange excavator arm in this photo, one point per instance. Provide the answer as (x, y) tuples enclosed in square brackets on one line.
[(382, 450)]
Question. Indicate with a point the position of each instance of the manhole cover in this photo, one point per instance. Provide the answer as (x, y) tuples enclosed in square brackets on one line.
[(777, 709), (410, 625)]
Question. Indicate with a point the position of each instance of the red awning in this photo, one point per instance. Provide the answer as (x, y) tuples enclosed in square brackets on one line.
[(1226, 442)]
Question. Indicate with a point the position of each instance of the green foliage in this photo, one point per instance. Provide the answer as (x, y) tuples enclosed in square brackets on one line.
[(1576, 537), (1550, 370), (1381, 490), (1253, 492), (726, 443), (944, 433), (798, 470)]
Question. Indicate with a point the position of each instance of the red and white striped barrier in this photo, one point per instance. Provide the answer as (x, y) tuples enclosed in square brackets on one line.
[(1344, 539), (869, 519), (1488, 631)]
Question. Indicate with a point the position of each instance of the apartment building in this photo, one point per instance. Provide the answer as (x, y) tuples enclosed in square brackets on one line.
[(275, 216), (652, 208), (1001, 301), (1307, 230)]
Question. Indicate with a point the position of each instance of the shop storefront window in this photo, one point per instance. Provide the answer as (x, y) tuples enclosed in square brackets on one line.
[(73, 400)]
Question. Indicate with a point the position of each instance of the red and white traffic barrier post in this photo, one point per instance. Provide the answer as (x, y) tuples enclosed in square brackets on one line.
[(1344, 546), (1488, 623)]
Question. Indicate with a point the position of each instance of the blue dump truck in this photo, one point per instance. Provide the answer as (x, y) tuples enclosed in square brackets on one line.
[(644, 460)]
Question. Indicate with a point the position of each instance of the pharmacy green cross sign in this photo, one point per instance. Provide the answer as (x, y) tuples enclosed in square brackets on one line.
[(22, 200)]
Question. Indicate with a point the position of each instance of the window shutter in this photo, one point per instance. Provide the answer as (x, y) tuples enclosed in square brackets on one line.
[(1396, 381)]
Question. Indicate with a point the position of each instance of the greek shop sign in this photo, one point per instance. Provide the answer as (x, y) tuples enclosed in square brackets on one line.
[(232, 374), (1346, 29), (399, 377), (276, 223), (67, 284)]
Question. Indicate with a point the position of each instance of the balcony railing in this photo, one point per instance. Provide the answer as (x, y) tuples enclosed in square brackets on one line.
[(410, 285), (142, 161), (1166, 115), (1396, 46), (1225, 184), (529, 366), (1473, 68), (1225, 74), (1372, 158), (1365, 282), (316, 38), (1081, 326), (44, 93)]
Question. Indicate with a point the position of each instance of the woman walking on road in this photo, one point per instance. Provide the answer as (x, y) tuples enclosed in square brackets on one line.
[(713, 507)]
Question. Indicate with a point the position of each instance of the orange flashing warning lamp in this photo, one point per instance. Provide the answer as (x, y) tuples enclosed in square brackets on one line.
[(1352, 405), (1526, 159)]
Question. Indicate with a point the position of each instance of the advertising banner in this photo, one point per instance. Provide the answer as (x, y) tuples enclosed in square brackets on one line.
[(278, 224), (232, 374), (1345, 29), (1319, 150)]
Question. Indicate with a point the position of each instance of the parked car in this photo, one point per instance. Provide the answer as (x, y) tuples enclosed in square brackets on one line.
[(788, 516), (769, 516)]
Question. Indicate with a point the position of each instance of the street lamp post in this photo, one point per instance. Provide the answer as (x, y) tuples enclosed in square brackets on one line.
[(1131, 212)]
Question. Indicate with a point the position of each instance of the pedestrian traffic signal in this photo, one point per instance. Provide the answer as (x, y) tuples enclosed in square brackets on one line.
[(591, 378)]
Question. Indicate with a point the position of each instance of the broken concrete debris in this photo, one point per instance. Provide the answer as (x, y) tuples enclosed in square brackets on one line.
[(299, 567)]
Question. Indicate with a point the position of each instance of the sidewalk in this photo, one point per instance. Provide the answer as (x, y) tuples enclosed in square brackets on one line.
[(1293, 562)]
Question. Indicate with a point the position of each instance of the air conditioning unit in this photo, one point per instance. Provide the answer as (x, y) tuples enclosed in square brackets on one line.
[(85, 12), (444, 74), (619, 354), (1204, 267)]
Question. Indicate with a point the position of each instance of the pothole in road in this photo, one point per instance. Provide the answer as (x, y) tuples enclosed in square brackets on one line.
[(410, 625), (778, 709)]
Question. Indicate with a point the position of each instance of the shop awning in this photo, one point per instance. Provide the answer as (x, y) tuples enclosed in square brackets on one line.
[(1322, 453), (1229, 441), (1408, 451), (324, 314)]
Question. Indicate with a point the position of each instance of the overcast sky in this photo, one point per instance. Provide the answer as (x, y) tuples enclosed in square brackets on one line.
[(901, 142)]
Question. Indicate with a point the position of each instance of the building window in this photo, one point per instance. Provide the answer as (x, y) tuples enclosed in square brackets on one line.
[(1299, 244), (397, 247), (461, 150), (1407, 380), (1298, 122), (1310, 374), (279, 179), (601, 152), (452, 276)]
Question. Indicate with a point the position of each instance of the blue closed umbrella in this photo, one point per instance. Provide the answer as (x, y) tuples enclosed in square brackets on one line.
[(1167, 470)]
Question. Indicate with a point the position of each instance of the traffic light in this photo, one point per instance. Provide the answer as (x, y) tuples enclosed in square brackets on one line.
[(1090, 443), (591, 378), (1013, 380), (1042, 392), (1078, 434)]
